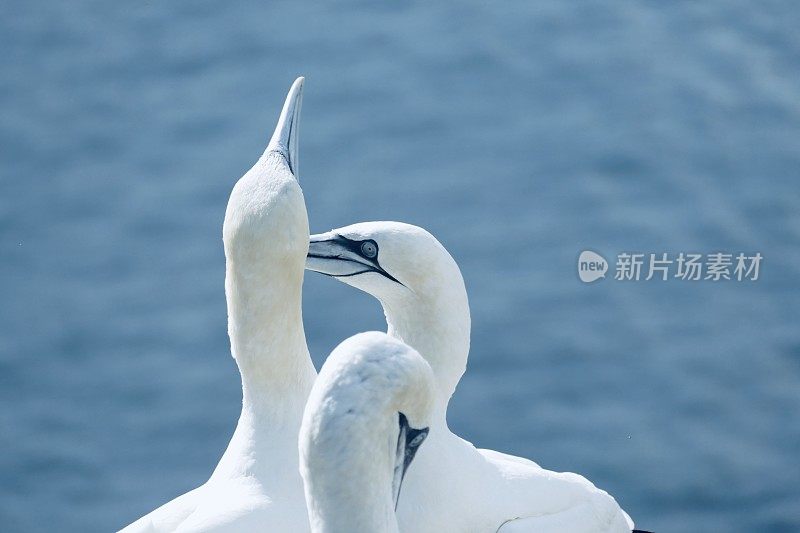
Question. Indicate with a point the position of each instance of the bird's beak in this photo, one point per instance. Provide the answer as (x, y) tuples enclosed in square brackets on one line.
[(408, 442), (284, 140), (339, 257)]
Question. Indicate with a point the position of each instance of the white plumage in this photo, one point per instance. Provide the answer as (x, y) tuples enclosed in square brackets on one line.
[(453, 486), (366, 416), (256, 486)]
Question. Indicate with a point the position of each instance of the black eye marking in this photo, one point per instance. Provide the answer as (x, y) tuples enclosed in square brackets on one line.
[(413, 439), (416, 441), (358, 247), (369, 249)]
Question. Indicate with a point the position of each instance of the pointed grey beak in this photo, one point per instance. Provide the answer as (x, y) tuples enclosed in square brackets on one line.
[(408, 442), (284, 140), (340, 257)]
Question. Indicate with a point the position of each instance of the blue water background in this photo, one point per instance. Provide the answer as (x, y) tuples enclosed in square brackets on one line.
[(518, 134)]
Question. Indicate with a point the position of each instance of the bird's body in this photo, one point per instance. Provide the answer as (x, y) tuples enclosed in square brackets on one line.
[(454, 486), (256, 486)]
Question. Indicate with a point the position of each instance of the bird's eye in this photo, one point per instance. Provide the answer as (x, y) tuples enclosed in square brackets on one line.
[(369, 249), (416, 441)]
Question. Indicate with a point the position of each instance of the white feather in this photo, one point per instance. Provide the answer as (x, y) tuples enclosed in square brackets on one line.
[(453, 486), (349, 436), (256, 486)]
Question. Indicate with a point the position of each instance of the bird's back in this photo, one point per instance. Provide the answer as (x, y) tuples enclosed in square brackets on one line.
[(456, 487)]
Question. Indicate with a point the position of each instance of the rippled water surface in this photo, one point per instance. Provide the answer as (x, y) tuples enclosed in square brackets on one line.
[(518, 135)]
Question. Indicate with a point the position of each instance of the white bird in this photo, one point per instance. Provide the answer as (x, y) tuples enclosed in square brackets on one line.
[(257, 486), (365, 419), (454, 487)]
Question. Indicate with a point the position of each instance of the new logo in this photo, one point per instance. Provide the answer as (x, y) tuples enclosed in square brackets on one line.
[(591, 266)]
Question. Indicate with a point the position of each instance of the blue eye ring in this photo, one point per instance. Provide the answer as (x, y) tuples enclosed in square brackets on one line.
[(369, 249)]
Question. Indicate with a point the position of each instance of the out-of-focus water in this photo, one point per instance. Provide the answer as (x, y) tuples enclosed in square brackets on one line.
[(518, 135)]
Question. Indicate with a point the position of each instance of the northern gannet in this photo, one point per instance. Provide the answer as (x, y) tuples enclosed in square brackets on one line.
[(365, 419), (257, 486), (454, 487)]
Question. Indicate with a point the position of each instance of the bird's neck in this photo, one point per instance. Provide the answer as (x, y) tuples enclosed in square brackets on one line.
[(438, 327), (368, 510), (268, 343), (349, 479)]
